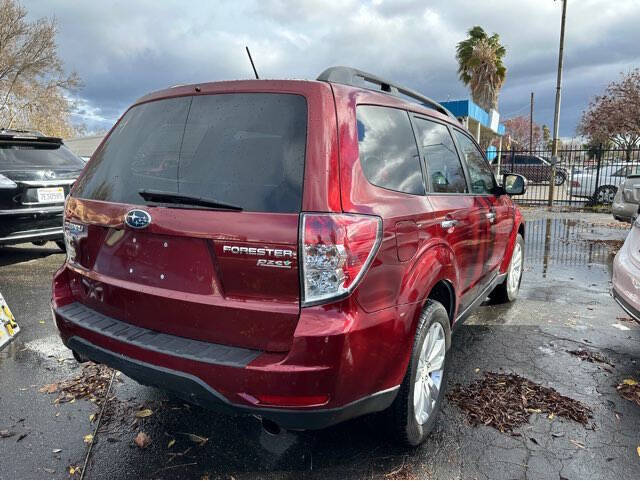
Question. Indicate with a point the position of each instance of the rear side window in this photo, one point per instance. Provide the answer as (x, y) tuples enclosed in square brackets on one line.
[(480, 175), (388, 151), (243, 149), (25, 155), (440, 156)]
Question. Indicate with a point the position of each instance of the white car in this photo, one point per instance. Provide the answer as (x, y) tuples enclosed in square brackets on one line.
[(583, 182)]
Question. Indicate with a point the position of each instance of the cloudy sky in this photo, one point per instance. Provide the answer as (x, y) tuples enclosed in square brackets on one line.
[(123, 49)]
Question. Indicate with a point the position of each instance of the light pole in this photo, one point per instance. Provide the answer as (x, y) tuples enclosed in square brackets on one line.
[(556, 115)]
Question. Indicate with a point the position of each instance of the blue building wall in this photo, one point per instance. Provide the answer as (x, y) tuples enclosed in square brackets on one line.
[(467, 108)]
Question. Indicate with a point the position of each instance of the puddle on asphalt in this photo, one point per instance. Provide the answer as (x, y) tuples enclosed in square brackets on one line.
[(565, 252)]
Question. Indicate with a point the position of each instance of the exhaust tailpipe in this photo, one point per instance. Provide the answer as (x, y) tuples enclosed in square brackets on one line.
[(270, 427)]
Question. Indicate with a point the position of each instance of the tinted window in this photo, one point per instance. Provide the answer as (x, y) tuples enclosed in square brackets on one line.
[(242, 149), (388, 151), (440, 156), (14, 155), (480, 174)]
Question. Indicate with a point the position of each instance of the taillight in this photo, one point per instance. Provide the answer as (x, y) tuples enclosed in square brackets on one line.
[(336, 251)]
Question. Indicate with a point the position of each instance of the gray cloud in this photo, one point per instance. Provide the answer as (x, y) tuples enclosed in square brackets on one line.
[(123, 50)]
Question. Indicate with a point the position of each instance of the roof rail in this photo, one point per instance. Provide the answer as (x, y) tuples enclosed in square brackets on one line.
[(349, 76)]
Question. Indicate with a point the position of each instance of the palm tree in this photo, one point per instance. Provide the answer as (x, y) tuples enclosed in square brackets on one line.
[(480, 66)]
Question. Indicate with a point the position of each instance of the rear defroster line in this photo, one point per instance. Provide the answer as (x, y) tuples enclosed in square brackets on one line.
[(98, 423)]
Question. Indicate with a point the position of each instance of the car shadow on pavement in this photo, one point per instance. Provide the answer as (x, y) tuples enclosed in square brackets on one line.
[(15, 254)]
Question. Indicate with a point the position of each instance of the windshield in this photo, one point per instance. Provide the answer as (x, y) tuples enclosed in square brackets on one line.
[(23, 155), (241, 149)]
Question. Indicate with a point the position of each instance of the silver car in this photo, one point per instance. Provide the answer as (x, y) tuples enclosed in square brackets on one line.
[(626, 273), (627, 198), (601, 186)]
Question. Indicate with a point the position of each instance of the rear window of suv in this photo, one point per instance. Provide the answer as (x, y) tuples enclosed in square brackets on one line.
[(18, 155), (242, 149)]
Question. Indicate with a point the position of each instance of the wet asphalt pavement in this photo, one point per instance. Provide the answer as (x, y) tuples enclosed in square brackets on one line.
[(564, 304)]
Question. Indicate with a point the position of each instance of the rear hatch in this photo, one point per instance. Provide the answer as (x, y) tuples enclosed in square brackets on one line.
[(220, 177), (36, 174)]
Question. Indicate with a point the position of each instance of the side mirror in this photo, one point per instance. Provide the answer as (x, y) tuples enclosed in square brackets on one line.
[(514, 184)]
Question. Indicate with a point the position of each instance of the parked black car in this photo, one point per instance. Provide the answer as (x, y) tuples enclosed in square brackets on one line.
[(36, 173), (536, 169)]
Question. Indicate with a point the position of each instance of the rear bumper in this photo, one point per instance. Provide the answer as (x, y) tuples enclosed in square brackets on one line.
[(232, 379), (31, 224), (193, 389), (626, 279), (626, 306), (46, 234)]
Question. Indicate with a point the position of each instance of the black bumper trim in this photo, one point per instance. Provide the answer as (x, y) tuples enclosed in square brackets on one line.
[(54, 233), (628, 308), (193, 389), (182, 347)]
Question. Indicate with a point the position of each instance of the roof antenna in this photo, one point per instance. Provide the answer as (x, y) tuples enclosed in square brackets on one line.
[(252, 65)]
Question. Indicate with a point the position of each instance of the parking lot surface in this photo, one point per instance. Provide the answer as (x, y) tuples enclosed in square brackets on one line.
[(564, 305)]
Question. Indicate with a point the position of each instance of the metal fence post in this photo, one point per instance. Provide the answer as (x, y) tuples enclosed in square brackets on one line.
[(598, 162)]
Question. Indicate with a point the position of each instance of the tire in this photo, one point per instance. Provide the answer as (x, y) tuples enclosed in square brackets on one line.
[(560, 178), (604, 194), (408, 428), (508, 290), (61, 245)]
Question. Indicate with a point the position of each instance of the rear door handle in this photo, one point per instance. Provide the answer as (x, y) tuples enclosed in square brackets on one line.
[(448, 224)]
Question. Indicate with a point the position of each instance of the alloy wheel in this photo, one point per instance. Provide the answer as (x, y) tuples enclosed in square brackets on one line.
[(515, 270), (429, 373)]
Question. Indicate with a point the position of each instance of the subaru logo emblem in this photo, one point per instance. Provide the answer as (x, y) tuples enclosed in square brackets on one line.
[(137, 219), (50, 174)]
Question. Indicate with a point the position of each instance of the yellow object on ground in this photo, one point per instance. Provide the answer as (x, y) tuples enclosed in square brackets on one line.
[(8, 326)]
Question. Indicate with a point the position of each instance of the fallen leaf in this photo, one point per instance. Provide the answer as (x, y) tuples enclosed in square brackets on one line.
[(145, 413), (41, 321), (171, 443), (21, 437), (621, 327), (630, 382), (5, 433), (557, 435), (73, 469), (477, 369), (552, 415), (88, 438), (197, 439), (142, 440), (638, 450), (577, 443), (49, 388), (56, 451), (92, 417)]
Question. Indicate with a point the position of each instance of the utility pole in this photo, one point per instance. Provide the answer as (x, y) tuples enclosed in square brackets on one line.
[(556, 115), (531, 126)]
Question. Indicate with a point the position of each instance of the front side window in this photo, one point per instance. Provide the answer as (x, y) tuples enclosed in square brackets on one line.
[(388, 151), (443, 165), (481, 177)]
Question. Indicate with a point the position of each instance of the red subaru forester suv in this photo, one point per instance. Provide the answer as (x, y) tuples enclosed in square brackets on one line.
[(296, 250)]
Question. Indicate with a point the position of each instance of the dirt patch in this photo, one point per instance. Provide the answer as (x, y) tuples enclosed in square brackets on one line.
[(590, 356), (630, 390), (614, 245), (506, 402)]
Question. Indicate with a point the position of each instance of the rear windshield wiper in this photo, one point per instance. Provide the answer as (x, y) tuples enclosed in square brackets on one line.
[(185, 199)]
